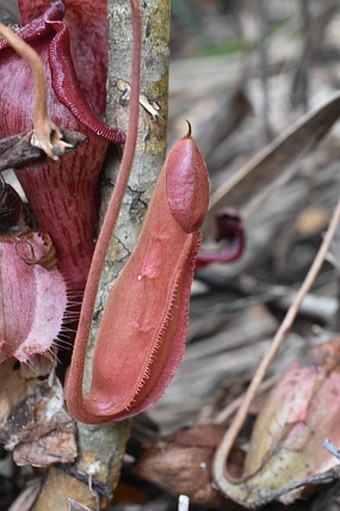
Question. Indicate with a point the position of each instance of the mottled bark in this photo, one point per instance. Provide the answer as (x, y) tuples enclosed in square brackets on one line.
[(151, 145)]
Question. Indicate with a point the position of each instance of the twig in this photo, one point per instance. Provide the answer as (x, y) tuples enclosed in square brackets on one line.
[(222, 454), (17, 152)]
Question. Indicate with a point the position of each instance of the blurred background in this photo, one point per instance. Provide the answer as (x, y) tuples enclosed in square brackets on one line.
[(244, 73)]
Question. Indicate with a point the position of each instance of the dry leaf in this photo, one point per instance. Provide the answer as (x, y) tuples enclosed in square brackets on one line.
[(269, 165), (33, 421), (181, 464), (286, 450)]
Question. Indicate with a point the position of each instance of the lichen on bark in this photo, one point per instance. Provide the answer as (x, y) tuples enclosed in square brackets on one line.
[(151, 144)]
